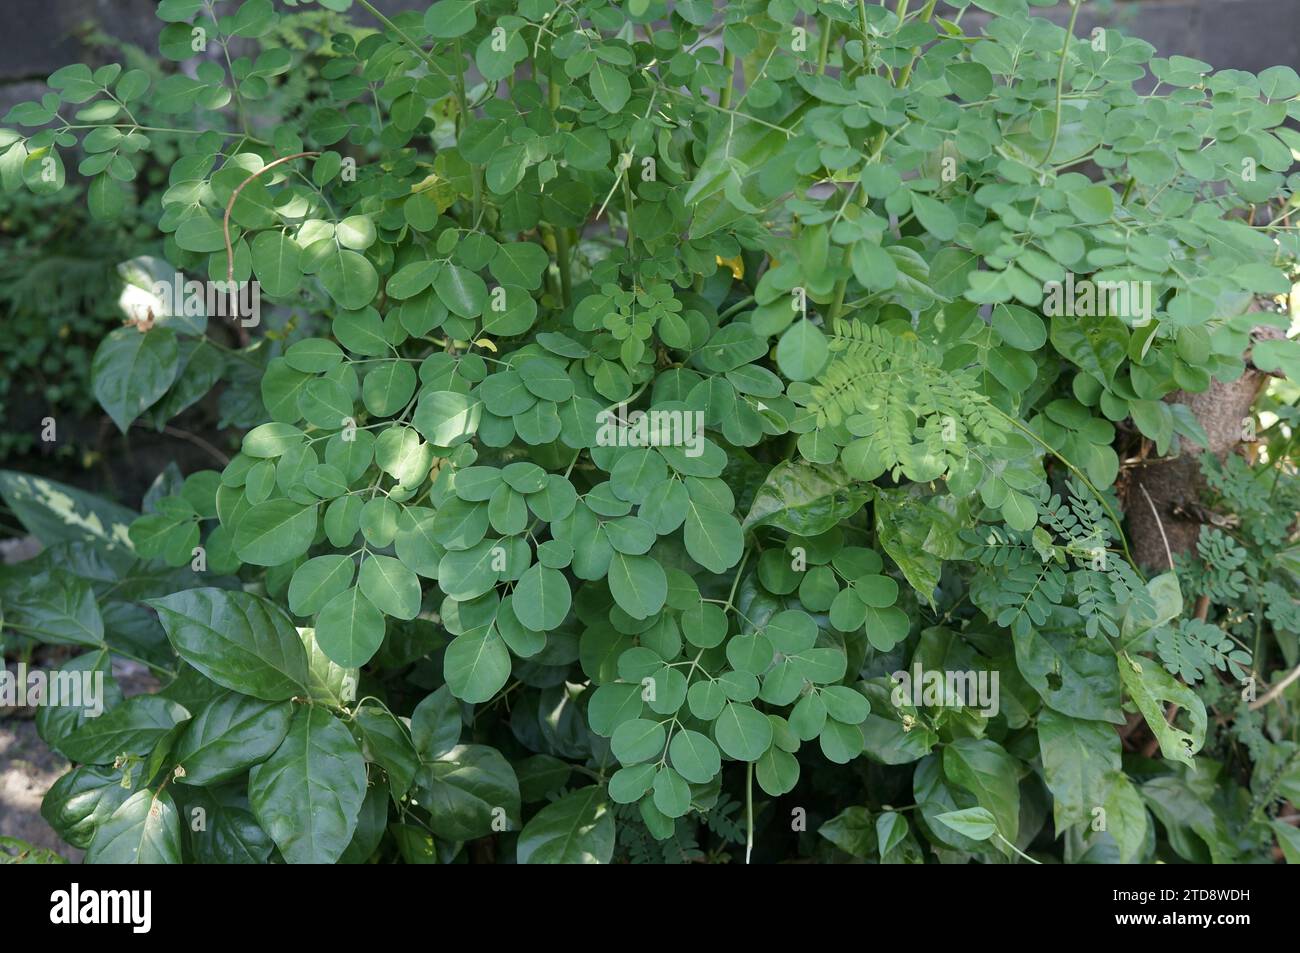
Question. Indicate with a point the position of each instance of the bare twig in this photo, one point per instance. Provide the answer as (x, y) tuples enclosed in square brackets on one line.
[(1276, 690), (1159, 523), (225, 227)]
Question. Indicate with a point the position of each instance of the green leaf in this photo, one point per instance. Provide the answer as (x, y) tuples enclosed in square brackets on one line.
[(468, 792), (327, 681), (435, 724), (446, 418), (386, 742), (319, 580), (106, 198), (851, 831), (271, 440), (1151, 688), (449, 19), (628, 785), (349, 629), (462, 291), (891, 830), (638, 740), (390, 586), (57, 608), (356, 232), (713, 538), (132, 370), (231, 835), (974, 822), (228, 736), (610, 86), (873, 267), (1073, 673), (971, 82), (984, 769), (841, 743), (1126, 818), (743, 732), (308, 794), (694, 756), (350, 278), (55, 723), (577, 829), (143, 829), (777, 772), (805, 499), (388, 388), (1092, 204), (1080, 758), (802, 351), (132, 728), (241, 641), (326, 404), (638, 584), (54, 512), (1019, 511), (1019, 327), (477, 664), (542, 598), (520, 263), (936, 216), (275, 532), (78, 803), (277, 263), (672, 795)]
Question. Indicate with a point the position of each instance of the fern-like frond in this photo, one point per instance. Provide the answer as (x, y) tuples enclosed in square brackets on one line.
[(892, 388)]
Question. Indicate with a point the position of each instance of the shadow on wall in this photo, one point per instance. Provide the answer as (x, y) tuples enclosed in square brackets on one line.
[(42, 35), (1247, 35)]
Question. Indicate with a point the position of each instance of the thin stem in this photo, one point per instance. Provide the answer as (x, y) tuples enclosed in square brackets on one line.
[(198, 442), (562, 254), (736, 308), (476, 171), (728, 64), (165, 129), (1060, 77), (1017, 849), (225, 52), (733, 112), (866, 35), (240, 330), (627, 208), (906, 74), (416, 47), (735, 582), (225, 221), (1276, 690), (749, 810), (1160, 524), (824, 53)]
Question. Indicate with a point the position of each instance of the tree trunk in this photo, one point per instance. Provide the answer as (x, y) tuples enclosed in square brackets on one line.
[(1163, 495)]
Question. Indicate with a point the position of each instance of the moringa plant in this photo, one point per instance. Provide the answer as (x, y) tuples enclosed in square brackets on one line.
[(682, 432)]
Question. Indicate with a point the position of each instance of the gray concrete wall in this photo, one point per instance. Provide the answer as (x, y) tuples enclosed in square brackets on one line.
[(1228, 34), (39, 36)]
